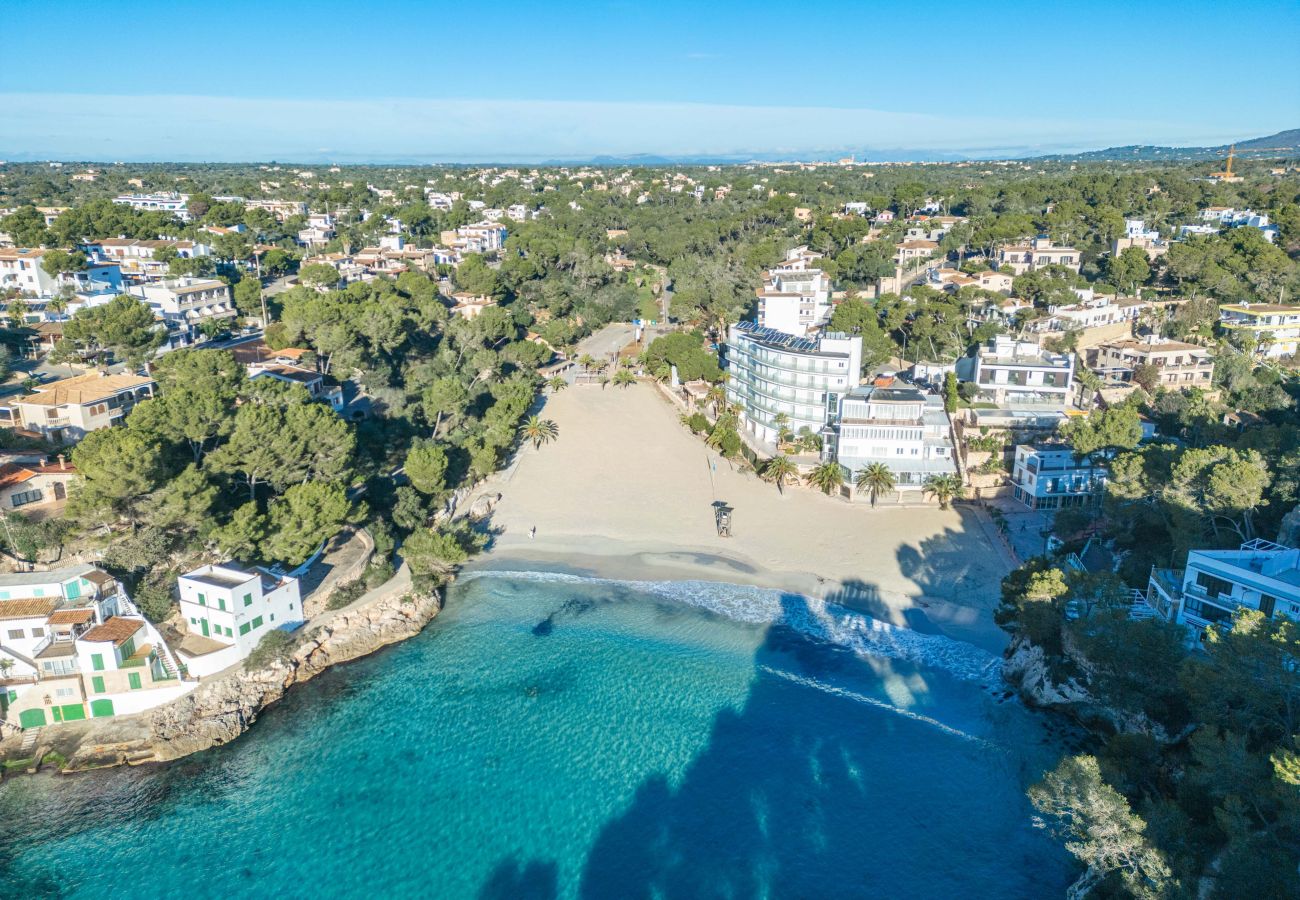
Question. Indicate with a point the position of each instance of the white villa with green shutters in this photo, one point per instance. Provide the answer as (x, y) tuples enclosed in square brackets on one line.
[(228, 609)]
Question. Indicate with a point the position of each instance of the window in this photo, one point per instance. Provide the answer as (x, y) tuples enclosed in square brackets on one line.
[(248, 599), (22, 498), (221, 603), (1213, 586), (133, 678), (257, 623), (202, 600), (272, 617), (97, 661), (38, 632), (243, 629), (64, 692), (98, 684), (15, 634)]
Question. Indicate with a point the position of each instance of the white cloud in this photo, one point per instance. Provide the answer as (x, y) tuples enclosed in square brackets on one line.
[(230, 128)]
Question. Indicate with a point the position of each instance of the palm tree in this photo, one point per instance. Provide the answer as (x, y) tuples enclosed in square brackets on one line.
[(624, 378), (539, 431), (586, 361), (827, 477), (716, 396), (604, 382), (875, 479), (780, 469), (557, 384), (945, 488)]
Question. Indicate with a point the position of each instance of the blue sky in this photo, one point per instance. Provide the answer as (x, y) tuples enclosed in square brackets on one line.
[(507, 80)]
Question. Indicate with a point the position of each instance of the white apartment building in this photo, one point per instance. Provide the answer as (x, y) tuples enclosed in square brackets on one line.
[(901, 427), (184, 304), (794, 299), (138, 259), (1009, 372), (1272, 328), (1036, 254), (21, 269), (773, 373), (1215, 584), (171, 202), (1093, 310), (228, 610), (481, 237), (281, 209), (74, 646), (67, 410), (1051, 476)]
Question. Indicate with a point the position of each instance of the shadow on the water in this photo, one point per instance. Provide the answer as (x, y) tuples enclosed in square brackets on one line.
[(513, 880), (572, 608), (775, 803)]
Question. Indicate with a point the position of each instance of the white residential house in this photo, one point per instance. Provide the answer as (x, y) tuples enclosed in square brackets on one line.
[(228, 609), (1051, 476), (1036, 254), (1176, 364), (773, 373), (67, 410), (904, 429), (1215, 584), (184, 304), (319, 230), (170, 202), (1009, 372)]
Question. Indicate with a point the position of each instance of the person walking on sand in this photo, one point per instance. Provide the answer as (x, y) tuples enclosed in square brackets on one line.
[(532, 532)]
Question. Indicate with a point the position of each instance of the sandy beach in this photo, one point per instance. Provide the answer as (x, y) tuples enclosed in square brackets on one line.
[(626, 492)]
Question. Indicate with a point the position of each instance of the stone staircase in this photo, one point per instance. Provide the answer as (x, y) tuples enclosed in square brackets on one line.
[(30, 737)]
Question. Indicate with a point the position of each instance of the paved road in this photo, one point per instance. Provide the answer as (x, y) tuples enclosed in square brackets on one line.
[(604, 344)]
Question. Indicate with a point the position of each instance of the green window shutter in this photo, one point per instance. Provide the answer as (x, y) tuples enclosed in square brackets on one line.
[(97, 661), (248, 599), (221, 602), (58, 713), (202, 600), (128, 649), (134, 679), (98, 683), (99, 708), (243, 629), (257, 622)]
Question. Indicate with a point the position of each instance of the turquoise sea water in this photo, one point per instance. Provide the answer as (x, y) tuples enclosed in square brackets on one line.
[(557, 737)]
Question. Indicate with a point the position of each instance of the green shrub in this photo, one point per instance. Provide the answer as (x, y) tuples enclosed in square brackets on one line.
[(346, 593), (275, 646)]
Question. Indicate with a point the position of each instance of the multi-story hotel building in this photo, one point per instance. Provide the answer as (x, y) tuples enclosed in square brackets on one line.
[(1272, 328), (804, 378), (901, 427)]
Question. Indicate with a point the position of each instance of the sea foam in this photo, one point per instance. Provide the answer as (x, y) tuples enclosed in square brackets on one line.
[(812, 617)]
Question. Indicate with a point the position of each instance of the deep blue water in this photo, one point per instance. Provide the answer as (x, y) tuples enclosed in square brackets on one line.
[(562, 738)]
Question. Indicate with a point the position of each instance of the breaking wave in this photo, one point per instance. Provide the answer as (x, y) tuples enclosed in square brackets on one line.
[(813, 618)]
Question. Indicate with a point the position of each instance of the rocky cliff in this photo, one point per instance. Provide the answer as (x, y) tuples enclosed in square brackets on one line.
[(219, 711), (1041, 684)]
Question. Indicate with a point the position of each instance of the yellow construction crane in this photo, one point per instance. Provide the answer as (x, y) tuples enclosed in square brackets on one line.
[(1226, 174)]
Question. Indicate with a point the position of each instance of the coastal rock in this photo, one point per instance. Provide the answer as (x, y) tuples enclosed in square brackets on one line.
[(1028, 668), (483, 505), (219, 711)]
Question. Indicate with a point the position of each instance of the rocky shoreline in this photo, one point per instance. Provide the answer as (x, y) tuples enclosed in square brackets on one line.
[(219, 711)]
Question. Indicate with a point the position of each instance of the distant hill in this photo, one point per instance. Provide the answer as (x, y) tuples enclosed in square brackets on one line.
[(1284, 143)]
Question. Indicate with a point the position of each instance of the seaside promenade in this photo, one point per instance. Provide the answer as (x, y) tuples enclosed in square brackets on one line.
[(626, 492)]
